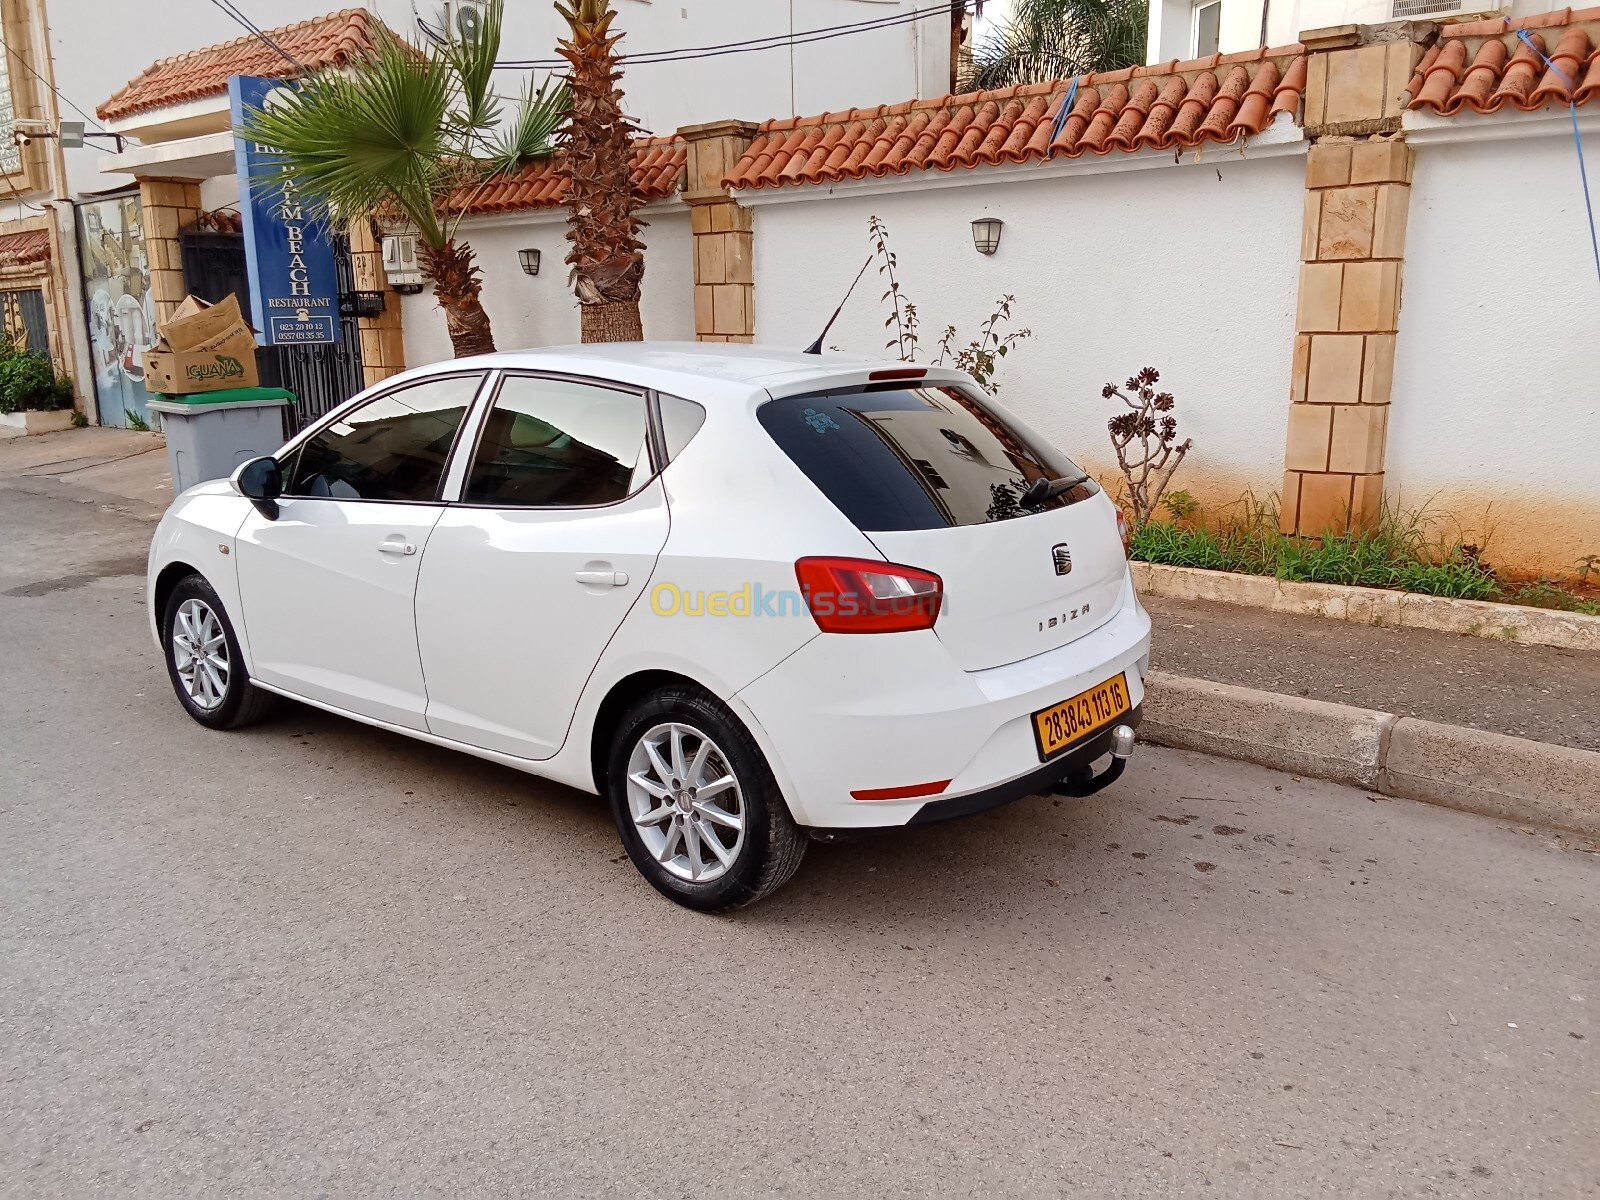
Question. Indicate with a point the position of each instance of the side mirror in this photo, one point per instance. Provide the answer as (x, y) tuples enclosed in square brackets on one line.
[(260, 481)]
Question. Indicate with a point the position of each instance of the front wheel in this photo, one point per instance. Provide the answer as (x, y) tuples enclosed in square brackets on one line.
[(203, 659), (695, 802)]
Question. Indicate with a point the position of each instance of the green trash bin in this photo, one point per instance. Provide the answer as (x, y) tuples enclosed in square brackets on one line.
[(209, 434)]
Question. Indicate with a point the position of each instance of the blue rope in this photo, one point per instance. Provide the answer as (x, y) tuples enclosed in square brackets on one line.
[(1577, 137), (1066, 109)]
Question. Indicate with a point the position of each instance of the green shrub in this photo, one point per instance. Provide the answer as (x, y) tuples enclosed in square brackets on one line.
[(28, 381)]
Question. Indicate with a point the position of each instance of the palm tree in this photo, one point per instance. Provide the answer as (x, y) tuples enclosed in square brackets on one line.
[(412, 132), (607, 257), (1056, 39)]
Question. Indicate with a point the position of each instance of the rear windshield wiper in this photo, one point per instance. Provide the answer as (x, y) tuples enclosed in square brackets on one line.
[(1046, 489)]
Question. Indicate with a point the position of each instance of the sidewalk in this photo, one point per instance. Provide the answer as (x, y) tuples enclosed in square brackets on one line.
[(1536, 692), (98, 464)]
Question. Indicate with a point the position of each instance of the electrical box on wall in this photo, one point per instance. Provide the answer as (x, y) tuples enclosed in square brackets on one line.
[(400, 263)]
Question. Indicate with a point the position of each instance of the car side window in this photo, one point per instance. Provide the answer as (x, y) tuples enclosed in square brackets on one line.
[(680, 421), (556, 443), (394, 447)]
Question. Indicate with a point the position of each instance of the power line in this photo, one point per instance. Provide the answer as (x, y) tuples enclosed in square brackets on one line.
[(685, 54), (771, 42), (230, 9), (27, 66)]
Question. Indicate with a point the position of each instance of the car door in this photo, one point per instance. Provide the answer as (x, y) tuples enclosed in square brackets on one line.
[(327, 588), (559, 525)]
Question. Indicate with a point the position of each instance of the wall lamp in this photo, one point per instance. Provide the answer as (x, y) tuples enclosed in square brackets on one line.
[(530, 261), (986, 234)]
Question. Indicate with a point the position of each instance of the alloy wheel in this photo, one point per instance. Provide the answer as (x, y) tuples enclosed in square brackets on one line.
[(686, 802), (200, 654)]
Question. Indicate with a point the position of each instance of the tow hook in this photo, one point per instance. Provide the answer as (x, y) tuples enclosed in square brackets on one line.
[(1082, 781)]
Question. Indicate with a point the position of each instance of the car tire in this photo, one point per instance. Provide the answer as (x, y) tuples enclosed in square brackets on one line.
[(208, 674), (671, 807)]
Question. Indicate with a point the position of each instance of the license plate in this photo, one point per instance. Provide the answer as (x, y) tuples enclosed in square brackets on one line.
[(1064, 725)]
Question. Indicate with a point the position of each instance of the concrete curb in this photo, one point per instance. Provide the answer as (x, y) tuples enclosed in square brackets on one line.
[(1373, 606), (1514, 779)]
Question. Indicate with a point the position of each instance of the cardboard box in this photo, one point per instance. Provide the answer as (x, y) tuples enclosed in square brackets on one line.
[(201, 348)]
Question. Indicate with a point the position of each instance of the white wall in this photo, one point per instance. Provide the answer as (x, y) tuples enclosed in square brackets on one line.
[(1496, 406), (871, 67), (1170, 21), (540, 310), (99, 45), (1191, 269)]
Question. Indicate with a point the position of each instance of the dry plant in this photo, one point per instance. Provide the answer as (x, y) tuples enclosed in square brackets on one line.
[(1145, 439)]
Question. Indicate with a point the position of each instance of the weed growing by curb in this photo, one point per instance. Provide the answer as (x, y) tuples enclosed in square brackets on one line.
[(1398, 553)]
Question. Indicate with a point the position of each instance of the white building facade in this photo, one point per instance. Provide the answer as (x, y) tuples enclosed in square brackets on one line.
[(1186, 29)]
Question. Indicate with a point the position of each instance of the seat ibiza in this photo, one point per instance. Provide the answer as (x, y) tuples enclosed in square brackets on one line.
[(751, 596)]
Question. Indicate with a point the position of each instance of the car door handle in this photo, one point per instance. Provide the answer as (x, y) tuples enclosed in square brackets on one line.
[(602, 578), (396, 544)]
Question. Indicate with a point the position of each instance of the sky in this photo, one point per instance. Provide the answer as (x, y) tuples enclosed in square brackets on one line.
[(993, 11)]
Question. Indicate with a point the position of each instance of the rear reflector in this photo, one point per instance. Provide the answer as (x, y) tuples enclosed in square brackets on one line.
[(900, 373), (858, 595), (910, 792)]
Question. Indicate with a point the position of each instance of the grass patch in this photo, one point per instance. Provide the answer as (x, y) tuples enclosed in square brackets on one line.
[(1399, 553)]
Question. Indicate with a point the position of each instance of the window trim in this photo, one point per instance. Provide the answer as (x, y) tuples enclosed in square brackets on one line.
[(360, 400), (655, 445), (1195, 9)]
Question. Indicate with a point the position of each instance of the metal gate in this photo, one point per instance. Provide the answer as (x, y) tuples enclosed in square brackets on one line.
[(321, 376)]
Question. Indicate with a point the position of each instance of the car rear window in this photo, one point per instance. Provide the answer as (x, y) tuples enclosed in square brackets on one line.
[(893, 457)]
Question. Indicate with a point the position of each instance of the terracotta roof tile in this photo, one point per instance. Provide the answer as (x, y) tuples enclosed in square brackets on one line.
[(20, 249), (1170, 105), (1484, 66), (328, 41), (657, 171)]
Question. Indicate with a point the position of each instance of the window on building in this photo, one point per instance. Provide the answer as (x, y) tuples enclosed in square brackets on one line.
[(1207, 28), (25, 323)]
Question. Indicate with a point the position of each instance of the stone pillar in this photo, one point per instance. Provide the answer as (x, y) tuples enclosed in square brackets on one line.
[(170, 205), (383, 347), (1358, 191), (724, 238)]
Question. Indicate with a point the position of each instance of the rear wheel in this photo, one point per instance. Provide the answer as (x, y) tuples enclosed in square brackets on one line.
[(695, 802), (204, 662)]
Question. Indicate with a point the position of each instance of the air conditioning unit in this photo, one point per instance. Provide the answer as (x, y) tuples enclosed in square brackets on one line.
[(1405, 10), (463, 16), (457, 19)]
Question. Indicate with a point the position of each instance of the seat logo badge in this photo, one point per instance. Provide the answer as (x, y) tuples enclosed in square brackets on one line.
[(1063, 558)]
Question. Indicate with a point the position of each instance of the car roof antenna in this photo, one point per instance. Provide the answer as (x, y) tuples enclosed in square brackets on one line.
[(816, 346)]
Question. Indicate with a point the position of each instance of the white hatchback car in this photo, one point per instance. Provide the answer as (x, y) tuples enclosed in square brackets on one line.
[(751, 595)]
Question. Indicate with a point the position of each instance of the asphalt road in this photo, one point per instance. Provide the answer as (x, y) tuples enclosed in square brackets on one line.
[(310, 959)]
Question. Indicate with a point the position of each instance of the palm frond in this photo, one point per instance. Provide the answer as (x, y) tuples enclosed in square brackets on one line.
[(531, 134), (470, 57), (366, 139), (1046, 40)]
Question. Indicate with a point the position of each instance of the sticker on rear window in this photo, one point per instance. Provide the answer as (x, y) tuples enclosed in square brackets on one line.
[(821, 422)]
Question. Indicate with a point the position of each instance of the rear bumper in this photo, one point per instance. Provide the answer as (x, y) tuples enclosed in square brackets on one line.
[(1046, 779), (885, 713)]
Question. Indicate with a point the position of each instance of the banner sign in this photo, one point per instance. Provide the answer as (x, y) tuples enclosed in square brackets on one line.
[(294, 285)]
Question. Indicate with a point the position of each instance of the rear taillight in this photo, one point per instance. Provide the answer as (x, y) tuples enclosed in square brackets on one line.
[(1125, 533), (857, 595)]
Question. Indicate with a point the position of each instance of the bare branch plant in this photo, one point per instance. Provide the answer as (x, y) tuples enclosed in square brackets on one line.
[(1145, 439)]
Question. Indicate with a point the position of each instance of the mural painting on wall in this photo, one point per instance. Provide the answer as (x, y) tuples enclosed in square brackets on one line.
[(122, 317)]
